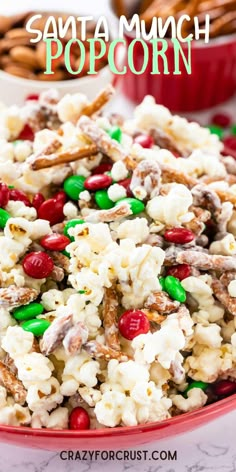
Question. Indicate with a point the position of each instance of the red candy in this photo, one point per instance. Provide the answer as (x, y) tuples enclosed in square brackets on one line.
[(223, 388), (32, 97), (144, 140), (55, 242), (4, 195), (97, 182), (26, 134), (61, 196), (181, 271), (222, 119), (38, 200), (79, 419), (102, 168), (230, 146), (38, 265), (52, 211), (179, 235), (19, 196), (132, 323), (126, 184)]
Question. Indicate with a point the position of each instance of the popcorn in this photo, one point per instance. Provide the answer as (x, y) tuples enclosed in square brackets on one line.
[(17, 342), (119, 171), (70, 107), (196, 399), (172, 209), (44, 395), (232, 288), (113, 263), (116, 192)]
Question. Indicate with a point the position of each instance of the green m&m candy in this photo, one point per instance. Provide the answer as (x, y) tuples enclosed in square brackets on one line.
[(28, 312), (73, 186), (37, 326), (162, 282), (214, 129), (102, 200), (196, 384), (115, 133), (174, 288), (136, 205), (4, 216), (71, 224)]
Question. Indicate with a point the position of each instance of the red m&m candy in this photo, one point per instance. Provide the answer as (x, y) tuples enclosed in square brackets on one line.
[(144, 140), (224, 388), (55, 242), (97, 182), (18, 195), (132, 323), (52, 211), (38, 265), (38, 200), (4, 195), (179, 235), (102, 168), (26, 134), (180, 271), (222, 119), (79, 419)]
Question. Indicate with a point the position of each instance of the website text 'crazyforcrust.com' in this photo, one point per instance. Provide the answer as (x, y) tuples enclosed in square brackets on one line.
[(119, 455)]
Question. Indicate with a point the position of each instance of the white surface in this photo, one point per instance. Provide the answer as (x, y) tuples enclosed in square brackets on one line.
[(209, 448)]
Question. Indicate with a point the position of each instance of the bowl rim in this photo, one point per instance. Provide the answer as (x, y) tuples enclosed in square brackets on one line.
[(226, 404), (53, 83)]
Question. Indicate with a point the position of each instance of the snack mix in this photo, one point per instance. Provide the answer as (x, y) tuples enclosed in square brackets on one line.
[(118, 265)]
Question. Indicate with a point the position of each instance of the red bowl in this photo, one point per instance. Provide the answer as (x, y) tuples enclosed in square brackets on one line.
[(115, 438), (212, 81)]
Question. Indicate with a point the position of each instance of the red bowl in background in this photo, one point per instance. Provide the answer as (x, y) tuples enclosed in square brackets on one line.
[(114, 438), (213, 78)]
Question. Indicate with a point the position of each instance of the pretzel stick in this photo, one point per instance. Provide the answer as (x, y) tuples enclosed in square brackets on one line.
[(13, 296), (162, 303), (106, 216), (170, 175), (104, 143), (154, 316), (75, 338), (196, 225), (211, 4), (99, 351), (226, 196), (147, 176), (100, 101), (110, 307), (144, 5), (64, 157), (12, 384), (164, 141), (227, 277), (221, 293), (55, 334), (119, 8), (204, 261), (221, 22)]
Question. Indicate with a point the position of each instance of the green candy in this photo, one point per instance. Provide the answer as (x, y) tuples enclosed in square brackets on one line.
[(11, 186), (65, 253), (71, 224), (28, 312), (73, 186), (174, 288), (37, 326), (216, 130), (233, 129), (4, 216), (202, 385), (102, 200), (115, 133), (162, 282), (17, 142), (136, 205)]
